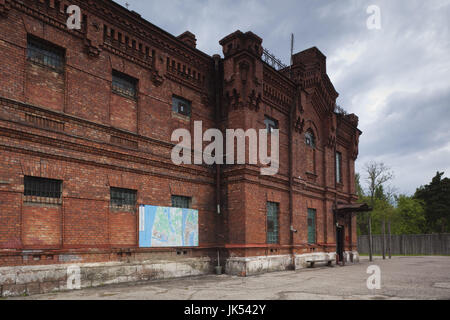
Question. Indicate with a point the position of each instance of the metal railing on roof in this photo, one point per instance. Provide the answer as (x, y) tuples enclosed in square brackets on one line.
[(272, 61)]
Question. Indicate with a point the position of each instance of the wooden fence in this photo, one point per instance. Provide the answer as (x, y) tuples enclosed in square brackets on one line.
[(418, 244)]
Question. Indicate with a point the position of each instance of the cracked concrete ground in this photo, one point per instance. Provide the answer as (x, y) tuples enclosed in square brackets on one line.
[(401, 278)]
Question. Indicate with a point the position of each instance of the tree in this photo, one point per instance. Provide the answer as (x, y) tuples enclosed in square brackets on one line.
[(436, 199), (409, 216), (361, 220), (359, 188), (377, 175)]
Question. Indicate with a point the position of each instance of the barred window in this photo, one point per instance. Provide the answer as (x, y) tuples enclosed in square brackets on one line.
[(45, 53), (181, 106), (181, 202), (272, 222), (271, 124), (311, 226), (41, 187), (124, 84), (123, 197)]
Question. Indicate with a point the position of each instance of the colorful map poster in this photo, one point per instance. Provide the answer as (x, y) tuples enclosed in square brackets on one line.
[(167, 227)]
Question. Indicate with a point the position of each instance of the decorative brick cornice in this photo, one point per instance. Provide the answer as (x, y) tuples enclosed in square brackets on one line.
[(53, 18), (5, 6)]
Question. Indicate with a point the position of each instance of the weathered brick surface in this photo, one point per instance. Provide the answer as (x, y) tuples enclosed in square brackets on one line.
[(71, 126)]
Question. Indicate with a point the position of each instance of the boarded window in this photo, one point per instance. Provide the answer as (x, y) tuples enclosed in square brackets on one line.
[(181, 106), (123, 197), (181, 202), (124, 84), (41, 187), (311, 226), (45, 54), (272, 222)]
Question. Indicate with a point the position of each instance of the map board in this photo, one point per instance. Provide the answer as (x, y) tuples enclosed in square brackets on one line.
[(167, 227)]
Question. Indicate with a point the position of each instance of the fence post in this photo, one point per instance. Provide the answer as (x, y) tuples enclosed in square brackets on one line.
[(389, 239), (383, 244), (370, 239)]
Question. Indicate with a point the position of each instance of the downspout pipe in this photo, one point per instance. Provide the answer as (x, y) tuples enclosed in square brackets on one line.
[(217, 94), (291, 174)]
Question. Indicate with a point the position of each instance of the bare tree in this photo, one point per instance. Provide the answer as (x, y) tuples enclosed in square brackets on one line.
[(377, 175)]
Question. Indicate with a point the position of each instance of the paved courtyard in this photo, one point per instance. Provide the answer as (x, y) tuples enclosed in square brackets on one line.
[(401, 278)]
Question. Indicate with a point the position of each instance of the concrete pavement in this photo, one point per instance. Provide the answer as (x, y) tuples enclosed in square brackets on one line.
[(401, 278)]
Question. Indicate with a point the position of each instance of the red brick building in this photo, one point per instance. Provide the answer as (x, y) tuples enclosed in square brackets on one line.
[(86, 118)]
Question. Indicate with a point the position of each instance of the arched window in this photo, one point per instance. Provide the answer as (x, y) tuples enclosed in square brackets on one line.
[(310, 140)]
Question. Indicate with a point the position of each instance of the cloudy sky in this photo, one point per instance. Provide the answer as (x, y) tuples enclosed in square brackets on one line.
[(396, 79)]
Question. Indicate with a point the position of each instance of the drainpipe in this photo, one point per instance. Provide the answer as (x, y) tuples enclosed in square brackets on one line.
[(291, 174), (335, 191), (218, 95)]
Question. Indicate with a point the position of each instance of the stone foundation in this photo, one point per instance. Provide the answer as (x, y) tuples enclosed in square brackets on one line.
[(29, 280), (319, 258), (249, 266)]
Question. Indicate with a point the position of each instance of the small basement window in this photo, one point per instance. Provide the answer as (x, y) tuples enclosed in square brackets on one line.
[(123, 197), (124, 85), (42, 187), (181, 202), (46, 54), (181, 106)]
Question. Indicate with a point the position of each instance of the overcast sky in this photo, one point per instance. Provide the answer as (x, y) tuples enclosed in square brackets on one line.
[(397, 79)]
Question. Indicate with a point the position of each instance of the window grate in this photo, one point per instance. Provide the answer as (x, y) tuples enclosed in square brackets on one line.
[(123, 197), (181, 202), (181, 106), (124, 84), (41, 187), (272, 222), (45, 54)]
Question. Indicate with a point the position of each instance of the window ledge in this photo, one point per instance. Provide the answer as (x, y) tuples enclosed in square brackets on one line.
[(49, 68), (32, 200), (181, 116), (124, 208), (312, 175), (124, 95)]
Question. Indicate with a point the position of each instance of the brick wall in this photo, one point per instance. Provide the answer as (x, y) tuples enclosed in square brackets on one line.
[(70, 126)]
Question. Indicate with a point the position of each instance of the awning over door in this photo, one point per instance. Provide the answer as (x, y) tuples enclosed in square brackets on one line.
[(352, 207)]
